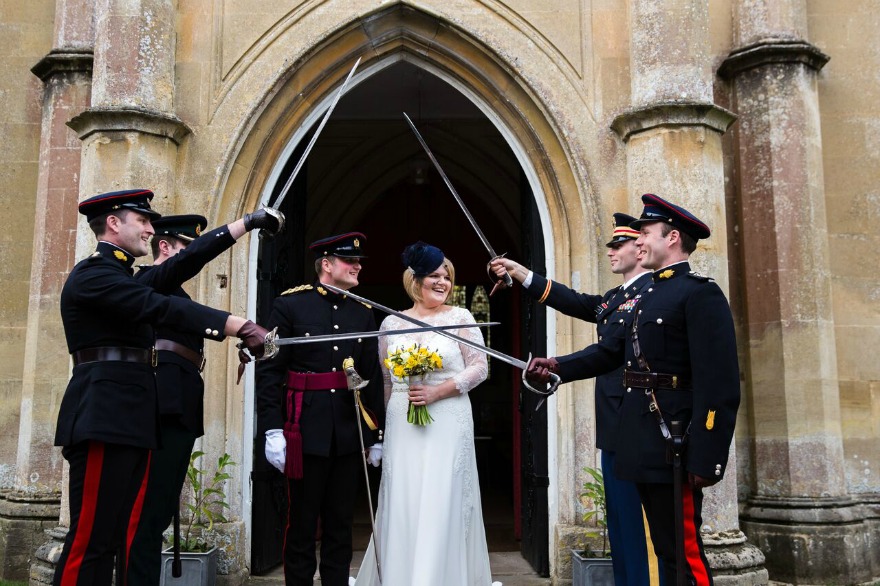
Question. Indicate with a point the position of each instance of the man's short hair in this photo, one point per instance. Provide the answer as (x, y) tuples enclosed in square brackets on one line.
[(154, 243), (98, 224), (688, 244)]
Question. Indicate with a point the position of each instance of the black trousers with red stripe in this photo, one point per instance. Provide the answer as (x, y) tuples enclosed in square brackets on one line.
[(658, 501), (105, 484)]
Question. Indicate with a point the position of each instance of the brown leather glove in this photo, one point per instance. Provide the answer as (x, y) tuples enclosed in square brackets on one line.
[(253, 337), (539, 370)]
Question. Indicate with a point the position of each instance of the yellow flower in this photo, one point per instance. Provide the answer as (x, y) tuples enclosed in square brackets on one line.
[(398, 371)]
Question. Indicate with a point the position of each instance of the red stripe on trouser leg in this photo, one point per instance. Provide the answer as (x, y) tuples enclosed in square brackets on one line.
[(135, 517), (86, 520), (691, 545)]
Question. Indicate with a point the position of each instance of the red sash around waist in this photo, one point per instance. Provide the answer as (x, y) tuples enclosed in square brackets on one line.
[(316, 381)]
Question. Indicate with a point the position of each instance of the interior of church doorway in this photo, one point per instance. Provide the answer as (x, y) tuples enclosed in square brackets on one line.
[(367, 172)]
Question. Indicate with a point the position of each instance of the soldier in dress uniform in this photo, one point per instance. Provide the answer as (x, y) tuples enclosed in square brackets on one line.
[(108, 420), (308, 415), (612, 313), (681, 385), (180, 251)]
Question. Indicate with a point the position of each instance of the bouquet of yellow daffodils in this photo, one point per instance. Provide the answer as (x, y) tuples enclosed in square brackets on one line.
[(409, 361)]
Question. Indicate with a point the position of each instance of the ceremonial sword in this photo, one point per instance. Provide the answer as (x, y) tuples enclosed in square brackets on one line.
[(507, 280), (522, 365), (355, 383), (305, 154), (272, 340)]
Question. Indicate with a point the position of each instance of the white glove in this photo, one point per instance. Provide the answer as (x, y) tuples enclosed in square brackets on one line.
[(276, 448), (375, 455)]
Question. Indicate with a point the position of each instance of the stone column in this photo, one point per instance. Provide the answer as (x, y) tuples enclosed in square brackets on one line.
[(33, 504), (798, 509), (673, 144), (130, 133)]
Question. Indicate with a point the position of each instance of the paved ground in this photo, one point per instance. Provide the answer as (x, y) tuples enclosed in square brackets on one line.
[(509, 568)]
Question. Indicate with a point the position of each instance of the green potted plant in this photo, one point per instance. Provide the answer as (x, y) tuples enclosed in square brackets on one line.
[(198, 556), (591, 566)]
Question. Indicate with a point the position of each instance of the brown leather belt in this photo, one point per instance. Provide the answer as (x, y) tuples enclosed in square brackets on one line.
[(115, 354), (656, 380), (316, 381), (182, 351)]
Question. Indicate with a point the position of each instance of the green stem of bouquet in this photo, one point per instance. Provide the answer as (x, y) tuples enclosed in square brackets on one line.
[(418, 415)]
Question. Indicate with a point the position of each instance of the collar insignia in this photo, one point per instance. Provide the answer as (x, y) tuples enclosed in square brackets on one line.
[(710, 420), (120, 255), (321, 290), (666, 274)]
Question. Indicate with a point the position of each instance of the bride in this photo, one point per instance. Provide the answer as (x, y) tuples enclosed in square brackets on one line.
[(429, 524)]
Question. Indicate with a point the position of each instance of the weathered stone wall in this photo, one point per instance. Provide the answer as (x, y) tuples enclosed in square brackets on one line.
[(850, 112), (27, 36)]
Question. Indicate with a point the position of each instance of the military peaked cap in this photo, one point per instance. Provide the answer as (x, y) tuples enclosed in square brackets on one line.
[(658, 209), (348, 245), (186, 227), (622, 231), (136, 200)]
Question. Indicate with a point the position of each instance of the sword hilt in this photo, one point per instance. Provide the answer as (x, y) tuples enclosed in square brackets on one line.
[(503, 282)]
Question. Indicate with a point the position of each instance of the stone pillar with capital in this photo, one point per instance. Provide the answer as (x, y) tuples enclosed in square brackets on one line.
[(130, 133), (673, 138), (797, 505)]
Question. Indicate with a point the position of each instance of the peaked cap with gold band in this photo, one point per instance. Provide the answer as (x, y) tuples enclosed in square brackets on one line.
[(136, 200), (622, 231), (658, 209), (186, 227), (348, 245)]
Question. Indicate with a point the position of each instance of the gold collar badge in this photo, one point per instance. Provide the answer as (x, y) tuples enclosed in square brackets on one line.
[(120, 255), (710, 420), (666, 274)]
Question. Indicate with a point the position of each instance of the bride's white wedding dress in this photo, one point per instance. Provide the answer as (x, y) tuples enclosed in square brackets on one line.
[(429, 520)]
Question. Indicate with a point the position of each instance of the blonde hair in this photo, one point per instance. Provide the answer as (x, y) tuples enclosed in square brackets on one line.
[(413, 284)]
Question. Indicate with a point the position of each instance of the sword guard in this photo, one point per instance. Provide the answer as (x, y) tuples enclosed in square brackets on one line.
[(500, 283), (270, 349), (353, 379), (555, 381), (278, 215)]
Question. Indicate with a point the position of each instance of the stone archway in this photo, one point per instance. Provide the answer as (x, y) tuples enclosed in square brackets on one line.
[(383, 38)]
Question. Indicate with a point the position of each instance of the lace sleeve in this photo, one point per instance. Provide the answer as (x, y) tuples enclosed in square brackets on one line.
[(383, 353), (476, 365)]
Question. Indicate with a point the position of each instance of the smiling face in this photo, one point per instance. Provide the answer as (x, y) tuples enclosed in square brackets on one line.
[(656, 248), (130, 231), (340, 272), (624, 257), (435, 288)]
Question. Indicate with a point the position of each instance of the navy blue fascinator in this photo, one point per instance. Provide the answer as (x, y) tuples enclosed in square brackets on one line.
[(422, 258)]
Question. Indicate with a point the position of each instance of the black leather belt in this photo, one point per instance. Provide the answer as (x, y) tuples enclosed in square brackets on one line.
[(115, 354), (656, 380), (182, 351)]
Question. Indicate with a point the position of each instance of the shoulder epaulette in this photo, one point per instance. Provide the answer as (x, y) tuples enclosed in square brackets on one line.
[(699, 277), (298, 289)]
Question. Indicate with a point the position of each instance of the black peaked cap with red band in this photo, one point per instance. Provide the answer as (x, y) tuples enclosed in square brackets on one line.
[(136, 200), (348, 245), (658, 209)]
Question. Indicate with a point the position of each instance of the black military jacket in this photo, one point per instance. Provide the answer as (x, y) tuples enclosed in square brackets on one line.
[(612, 313), (103, 305), (326, 414), (684, 328), (181, 389)]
